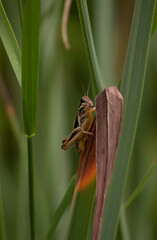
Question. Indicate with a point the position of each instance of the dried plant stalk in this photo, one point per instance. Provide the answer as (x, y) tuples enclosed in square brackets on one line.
[(65, 17), (108, 122)]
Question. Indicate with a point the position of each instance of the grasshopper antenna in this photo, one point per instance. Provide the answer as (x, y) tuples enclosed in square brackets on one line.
[(82, 87), (88, 88)]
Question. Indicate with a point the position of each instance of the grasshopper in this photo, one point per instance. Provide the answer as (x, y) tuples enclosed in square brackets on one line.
[(81, 126)]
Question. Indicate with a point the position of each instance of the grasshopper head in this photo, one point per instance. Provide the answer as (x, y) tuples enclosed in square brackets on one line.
[(86, 105), (84, 112)]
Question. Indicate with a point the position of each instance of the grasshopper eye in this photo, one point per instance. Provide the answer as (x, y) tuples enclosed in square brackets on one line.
[(81, 110)]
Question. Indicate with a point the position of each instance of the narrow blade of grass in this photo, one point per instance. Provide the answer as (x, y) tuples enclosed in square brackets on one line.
[(10, 43), (82, 213), (132, 89), (155, 20), (140, 186), (123, 225), (102, 18), (61, 208), (30, 44), (97, 84)]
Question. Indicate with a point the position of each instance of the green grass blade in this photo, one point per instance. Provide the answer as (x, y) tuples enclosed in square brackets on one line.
[(30, 44), (10, 43), (140, 186), (47, 13), (123, 225), (20, 10), (82, 213), (61, 208), (102, 18), (97, 84), (155, 20), (132, 89)]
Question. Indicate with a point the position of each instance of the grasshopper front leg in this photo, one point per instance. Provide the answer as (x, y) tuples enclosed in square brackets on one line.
[(86, 132)]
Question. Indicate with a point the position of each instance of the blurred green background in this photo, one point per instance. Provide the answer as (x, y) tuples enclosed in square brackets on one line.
[(59, 93)]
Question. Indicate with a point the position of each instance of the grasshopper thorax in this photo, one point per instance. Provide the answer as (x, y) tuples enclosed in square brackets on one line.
[(86, 106)]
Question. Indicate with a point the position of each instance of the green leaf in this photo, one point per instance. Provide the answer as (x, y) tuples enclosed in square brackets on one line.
[(10, 43), (82, 213), (97, 84), (123, 225), (132, 89), (140, 186), (61, 208), (103, 14), (30, 44), (155, 20)]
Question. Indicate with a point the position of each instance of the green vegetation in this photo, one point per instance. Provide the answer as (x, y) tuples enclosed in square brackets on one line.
[(39, 95)]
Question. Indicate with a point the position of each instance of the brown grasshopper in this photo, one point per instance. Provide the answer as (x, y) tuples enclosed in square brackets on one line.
[(81, 126)]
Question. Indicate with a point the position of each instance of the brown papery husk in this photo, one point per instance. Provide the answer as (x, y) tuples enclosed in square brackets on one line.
[(109, 105)]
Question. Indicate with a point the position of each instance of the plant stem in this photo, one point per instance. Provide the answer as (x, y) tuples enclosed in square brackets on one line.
[(97, 84), (140, 186), (31, 187)]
